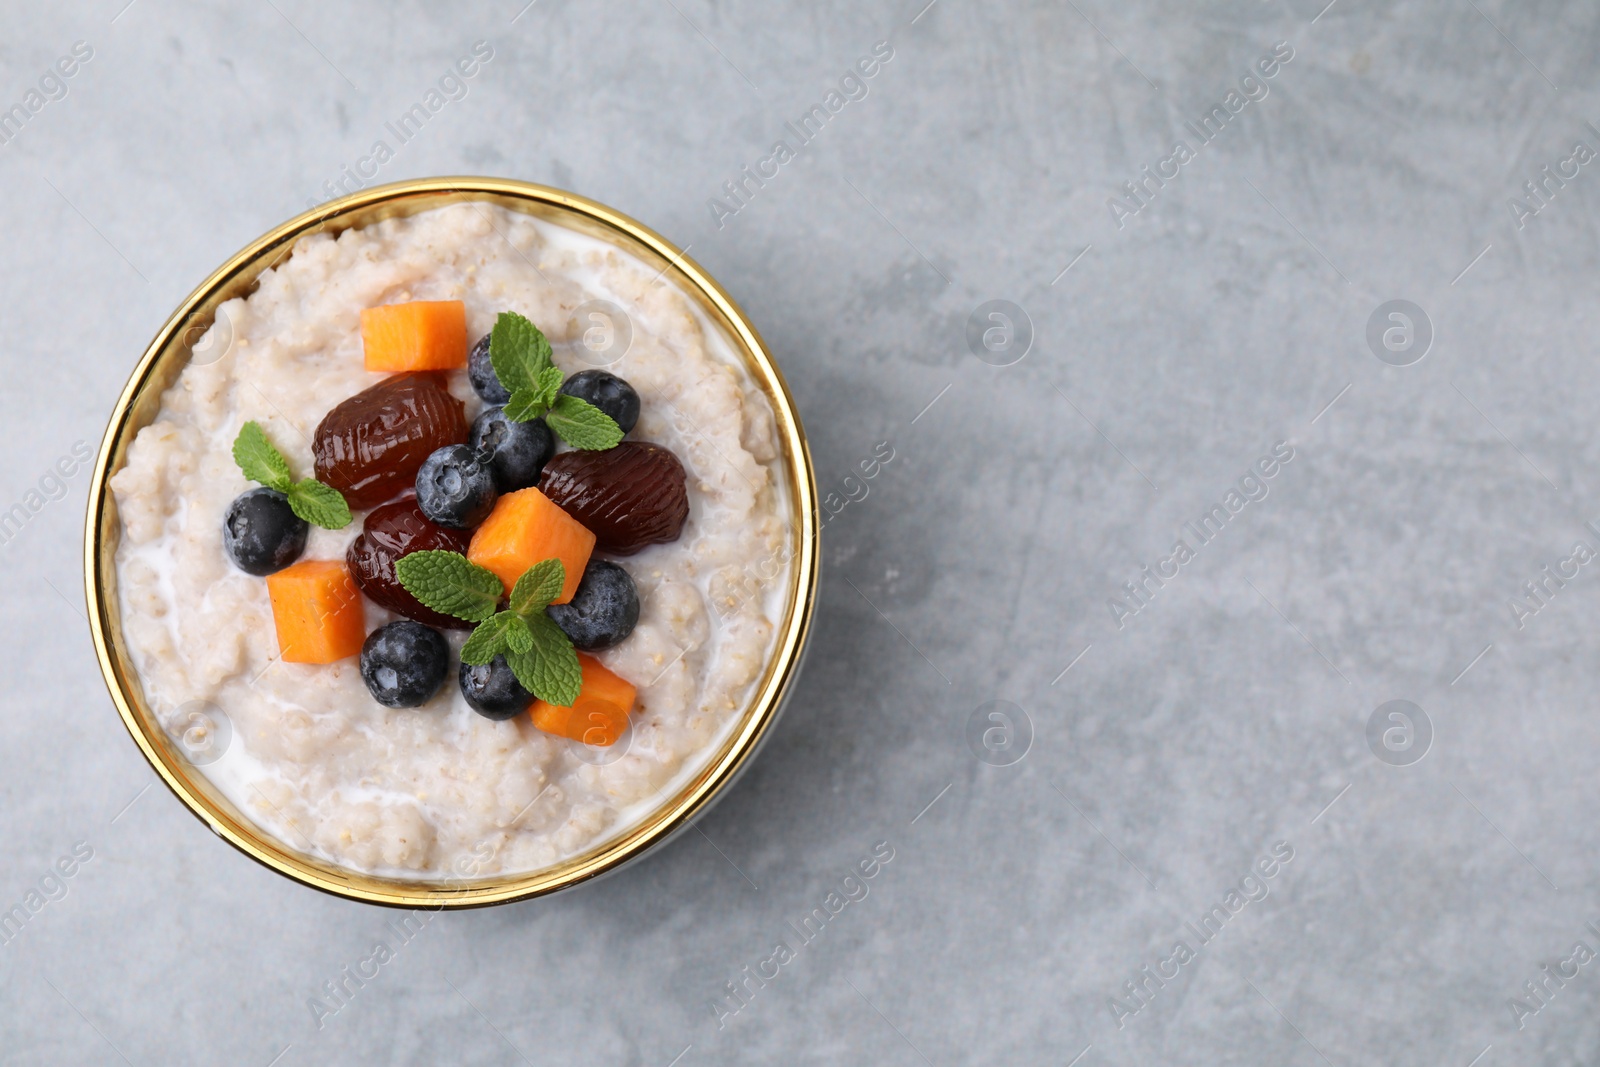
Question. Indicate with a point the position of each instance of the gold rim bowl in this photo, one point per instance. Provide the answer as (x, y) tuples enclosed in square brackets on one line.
[(171, 351)]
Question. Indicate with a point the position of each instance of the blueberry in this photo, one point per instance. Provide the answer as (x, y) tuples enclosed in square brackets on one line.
[(607, 392), (404, 663), (517, 451), (493, 691), (454, 488), (261, 534), (481, 372), (604, 610)]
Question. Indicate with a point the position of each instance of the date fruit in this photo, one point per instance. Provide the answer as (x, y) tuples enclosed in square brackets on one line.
[(371, 446), (392, 531), (630, 496)]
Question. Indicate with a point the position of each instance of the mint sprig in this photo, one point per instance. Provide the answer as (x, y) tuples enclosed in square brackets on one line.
[(538, 652), (316, 503), (528, 404), (520, 354)]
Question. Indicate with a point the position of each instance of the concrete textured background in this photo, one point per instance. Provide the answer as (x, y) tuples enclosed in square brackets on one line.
[(1231, 713)]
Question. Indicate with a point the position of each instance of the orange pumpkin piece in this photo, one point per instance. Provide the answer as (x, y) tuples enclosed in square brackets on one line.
[(598, 716), (317, 611), (421, 335), (525, 528)]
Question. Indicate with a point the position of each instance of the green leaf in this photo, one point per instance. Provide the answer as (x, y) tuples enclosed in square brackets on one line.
[(518, 351), (582, 425), (539, 584), (526, 405), (549, 669), (448, 582), (319, 504), (259, 460), (493, 637), (549, 384), (308, 498), (519, 637), (530, 403)]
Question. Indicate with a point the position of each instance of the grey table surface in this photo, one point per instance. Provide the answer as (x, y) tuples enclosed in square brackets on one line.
[(1152, 762)]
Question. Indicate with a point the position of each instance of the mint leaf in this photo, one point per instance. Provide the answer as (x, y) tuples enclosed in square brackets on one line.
[(519, 637), (259, 460), (539, 584), (582, 425), (526, 405), (530, 403), (448, 582), (548, 384), (549, 669), (493, 637), (518, 351), (308, 498), (319, 504)]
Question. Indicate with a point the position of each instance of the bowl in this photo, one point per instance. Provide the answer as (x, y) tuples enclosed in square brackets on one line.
[(172, 349)]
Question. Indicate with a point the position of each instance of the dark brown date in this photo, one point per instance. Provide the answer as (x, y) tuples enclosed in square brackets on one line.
[(392, 531), (370, 446), (629, 496)]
